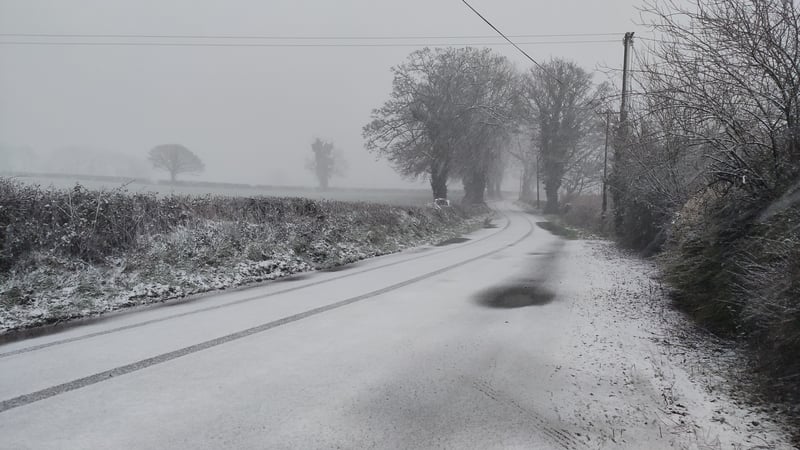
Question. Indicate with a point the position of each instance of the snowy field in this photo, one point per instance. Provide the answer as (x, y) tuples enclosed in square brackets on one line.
[(419, 196)]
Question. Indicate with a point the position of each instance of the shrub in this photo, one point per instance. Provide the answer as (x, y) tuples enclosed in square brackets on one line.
[(584, 212)]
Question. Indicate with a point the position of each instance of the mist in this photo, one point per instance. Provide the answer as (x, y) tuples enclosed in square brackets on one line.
[(250, 113)]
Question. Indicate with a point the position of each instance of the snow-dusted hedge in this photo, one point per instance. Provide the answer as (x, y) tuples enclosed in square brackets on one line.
[(735, 265), (71, 253)]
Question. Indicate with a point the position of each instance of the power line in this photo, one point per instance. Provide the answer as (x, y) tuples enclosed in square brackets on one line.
[(283, 38), (243, 44), (505, 37)]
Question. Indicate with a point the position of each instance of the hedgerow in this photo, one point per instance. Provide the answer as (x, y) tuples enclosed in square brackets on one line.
[(68, 253)]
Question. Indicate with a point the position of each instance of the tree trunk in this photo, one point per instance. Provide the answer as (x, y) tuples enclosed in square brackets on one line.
[(493, 186), (497, 186), (490, 190), (474, 188), (173, 175), (551, 191), (439, 180), (525, 192)]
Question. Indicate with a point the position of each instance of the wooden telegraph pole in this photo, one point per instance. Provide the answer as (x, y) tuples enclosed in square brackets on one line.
[(622, 135), (605, 172), (627, 42)]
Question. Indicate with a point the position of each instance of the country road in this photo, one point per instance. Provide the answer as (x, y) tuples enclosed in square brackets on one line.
[(509, 338)]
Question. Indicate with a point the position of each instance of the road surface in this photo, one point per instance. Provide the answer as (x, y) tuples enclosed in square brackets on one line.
[(481, 343)]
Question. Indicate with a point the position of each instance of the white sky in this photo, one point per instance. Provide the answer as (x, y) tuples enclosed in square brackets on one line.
[(251, 113)]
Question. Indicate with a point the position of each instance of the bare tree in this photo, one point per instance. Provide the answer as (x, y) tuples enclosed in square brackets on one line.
[(175, 159), (327, 162), (413, 129), (493, 93), (441, 111), (717, 108), (562, 104), (730, 69)]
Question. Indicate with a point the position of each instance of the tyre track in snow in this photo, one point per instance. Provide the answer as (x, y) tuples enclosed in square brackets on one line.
[(79, 383), (243, 300), (560, 437)]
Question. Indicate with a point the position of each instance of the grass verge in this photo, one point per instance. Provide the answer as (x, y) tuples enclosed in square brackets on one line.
[(74, 253)]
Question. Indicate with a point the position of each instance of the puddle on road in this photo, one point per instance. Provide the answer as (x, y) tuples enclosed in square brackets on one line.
[(456, 240), (529, 288), (517, 295)]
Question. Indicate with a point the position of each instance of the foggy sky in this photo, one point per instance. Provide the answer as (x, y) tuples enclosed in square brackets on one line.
[(251, 113)]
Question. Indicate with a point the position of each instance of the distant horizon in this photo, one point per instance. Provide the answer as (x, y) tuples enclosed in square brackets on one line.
[(251, 112), (423, 185)]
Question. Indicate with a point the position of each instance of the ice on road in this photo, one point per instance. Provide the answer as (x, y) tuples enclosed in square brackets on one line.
[(511, 338)]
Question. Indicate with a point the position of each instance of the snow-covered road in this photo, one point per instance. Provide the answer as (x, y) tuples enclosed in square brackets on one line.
[(504, 340)]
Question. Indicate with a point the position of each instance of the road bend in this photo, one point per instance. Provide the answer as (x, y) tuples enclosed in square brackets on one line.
[(438, 346)]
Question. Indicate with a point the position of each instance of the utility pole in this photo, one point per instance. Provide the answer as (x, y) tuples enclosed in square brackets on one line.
[(605, 171), (627, 42), (538, 182), (622, 134)]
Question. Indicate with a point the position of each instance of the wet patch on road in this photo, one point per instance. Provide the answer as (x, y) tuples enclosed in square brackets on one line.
[(418, 250), (456, 240), (516, 295), (531, 287), (337, 268), (558, 230), (291, 278)]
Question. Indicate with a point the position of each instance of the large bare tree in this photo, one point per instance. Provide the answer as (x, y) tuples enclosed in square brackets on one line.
[(493, 92), (563, 104), (417, 127), (446, 114), (175, 159)]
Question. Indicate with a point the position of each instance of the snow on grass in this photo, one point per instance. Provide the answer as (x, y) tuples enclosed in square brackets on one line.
[(80, 253), (644, 376)]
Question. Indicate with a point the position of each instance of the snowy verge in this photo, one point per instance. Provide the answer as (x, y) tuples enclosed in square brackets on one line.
[(644, 376), (208, 251)]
